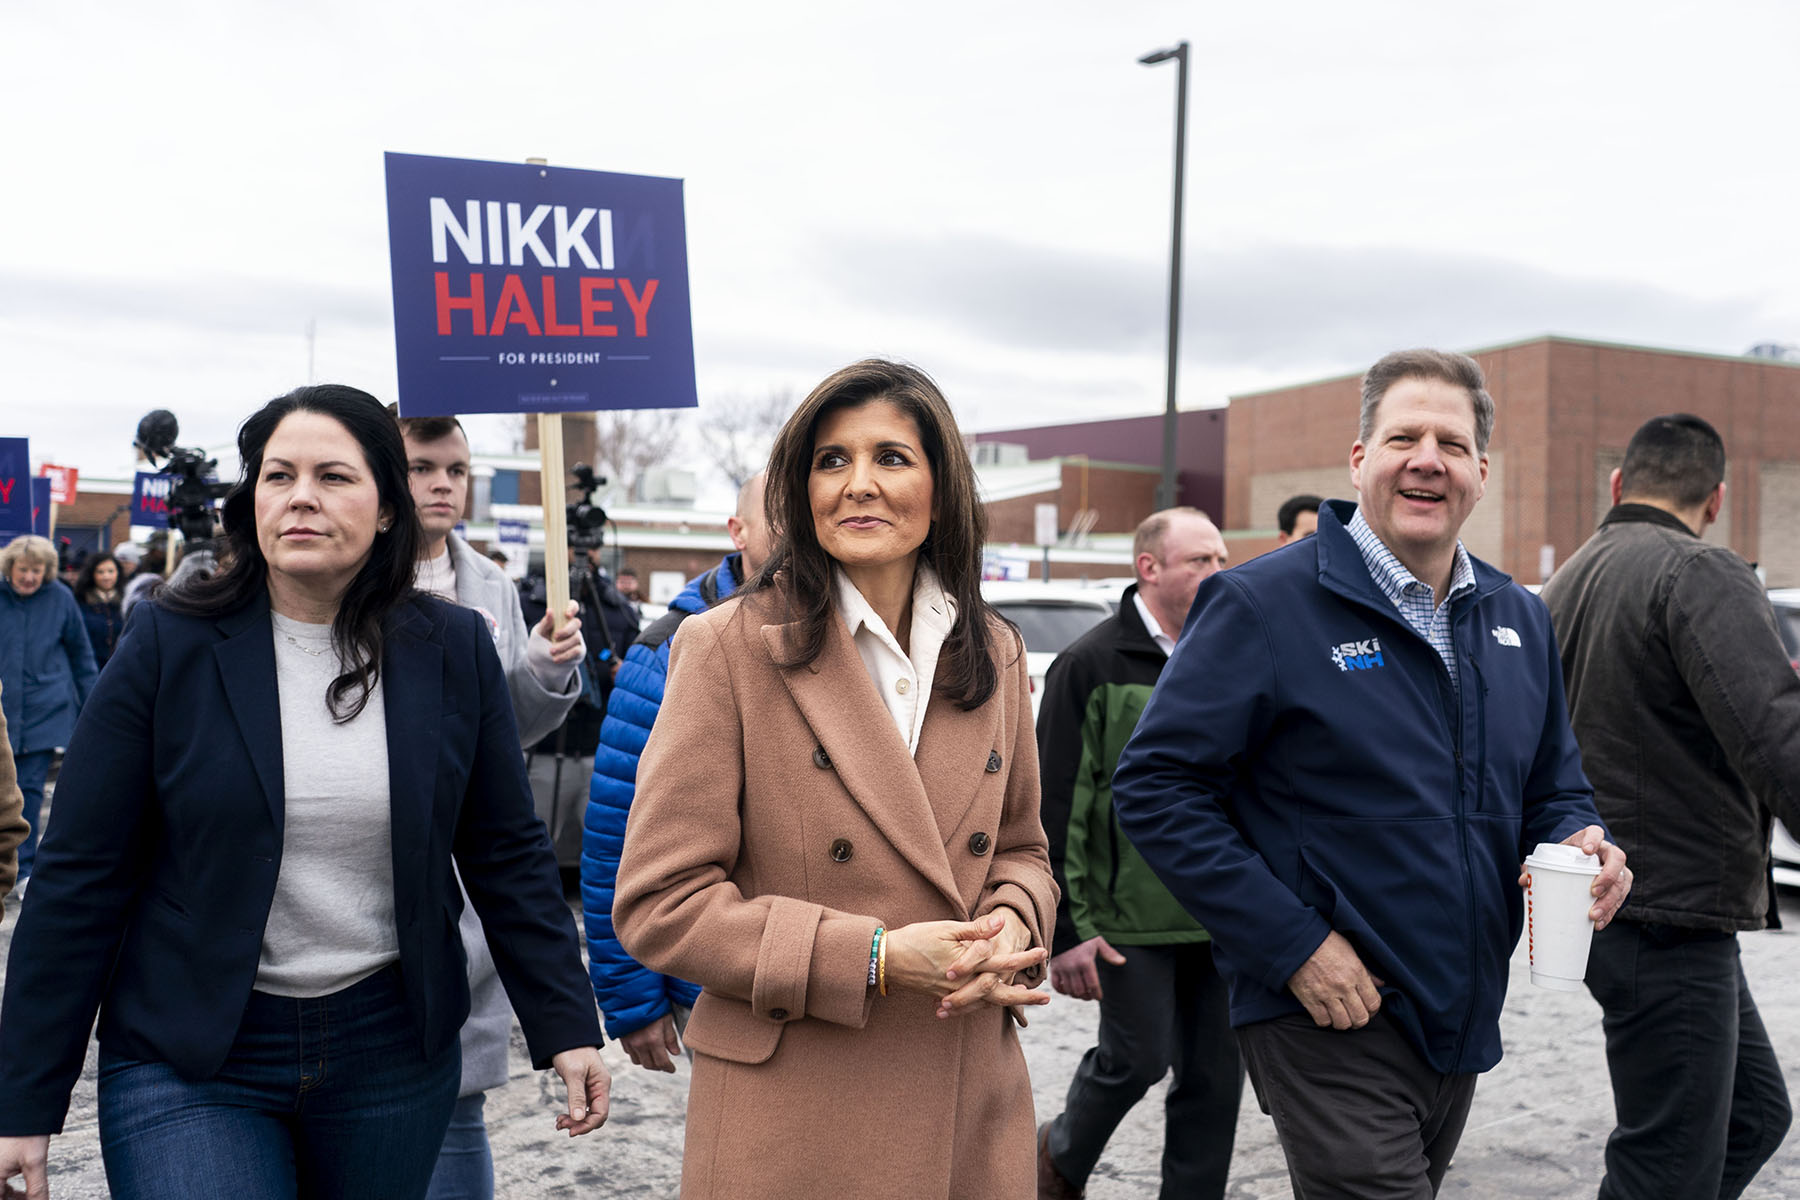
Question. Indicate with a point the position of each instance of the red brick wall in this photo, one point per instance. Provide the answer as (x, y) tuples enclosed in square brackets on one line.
[(1560, 403)]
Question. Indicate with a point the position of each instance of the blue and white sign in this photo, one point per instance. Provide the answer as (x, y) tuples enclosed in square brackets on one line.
[(514, 540), (150, 499), (528, 288), (15, 487)]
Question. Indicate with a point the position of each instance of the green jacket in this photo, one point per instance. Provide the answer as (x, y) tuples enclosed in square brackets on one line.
[(1093, 695)]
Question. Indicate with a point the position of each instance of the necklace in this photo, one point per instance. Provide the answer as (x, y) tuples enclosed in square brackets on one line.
[(302, 647)]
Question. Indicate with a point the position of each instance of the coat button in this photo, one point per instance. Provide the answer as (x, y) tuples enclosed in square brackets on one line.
[(821, 759), (994, 761), (778, 1014), (978, 843), (841, 850)]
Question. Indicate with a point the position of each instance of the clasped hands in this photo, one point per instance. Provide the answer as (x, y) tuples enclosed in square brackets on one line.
[(966, 964)]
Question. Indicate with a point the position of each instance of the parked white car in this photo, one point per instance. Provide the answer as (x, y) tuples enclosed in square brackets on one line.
[(1784, 851), (1050, 616)]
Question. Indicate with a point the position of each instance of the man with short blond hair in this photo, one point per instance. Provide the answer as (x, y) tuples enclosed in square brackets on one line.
[(1121, 938), (1355, 744)]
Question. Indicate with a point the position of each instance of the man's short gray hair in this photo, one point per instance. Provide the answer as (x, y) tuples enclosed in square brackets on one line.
[(1153, 528), (1446, 366)]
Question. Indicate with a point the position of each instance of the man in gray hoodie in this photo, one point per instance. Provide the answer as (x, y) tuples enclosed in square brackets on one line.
[(540, 675)]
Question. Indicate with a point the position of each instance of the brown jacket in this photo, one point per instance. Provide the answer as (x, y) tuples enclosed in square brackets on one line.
[(12, 818), (778, 821)]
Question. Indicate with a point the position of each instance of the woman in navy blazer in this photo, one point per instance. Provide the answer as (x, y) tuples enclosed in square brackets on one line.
[(153, 894)]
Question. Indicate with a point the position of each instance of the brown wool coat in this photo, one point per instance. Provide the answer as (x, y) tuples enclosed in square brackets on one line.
[(778, 821), (12, 818)]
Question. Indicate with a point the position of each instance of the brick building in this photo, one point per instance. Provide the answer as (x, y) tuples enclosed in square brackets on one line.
[(1566, 408), (1129, 444)]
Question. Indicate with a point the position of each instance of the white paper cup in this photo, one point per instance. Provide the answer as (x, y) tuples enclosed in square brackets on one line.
[(1558, 883)]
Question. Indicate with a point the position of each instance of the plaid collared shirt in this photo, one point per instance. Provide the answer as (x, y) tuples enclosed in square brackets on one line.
[(1412, 597)]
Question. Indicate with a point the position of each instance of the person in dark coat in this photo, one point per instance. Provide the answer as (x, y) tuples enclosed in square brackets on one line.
[(46, 670), (98, 591), (252, 876), (12, 818)]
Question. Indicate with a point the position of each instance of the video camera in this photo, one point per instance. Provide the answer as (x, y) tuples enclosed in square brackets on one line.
[(586, 520), (192, 495)]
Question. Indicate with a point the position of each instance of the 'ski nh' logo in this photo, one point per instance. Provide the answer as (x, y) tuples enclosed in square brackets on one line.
[(1357, 656)]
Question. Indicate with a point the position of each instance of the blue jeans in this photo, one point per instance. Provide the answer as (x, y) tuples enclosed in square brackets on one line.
[(33, 769), (1699, 1096), (465, 1164), (326, 1098)]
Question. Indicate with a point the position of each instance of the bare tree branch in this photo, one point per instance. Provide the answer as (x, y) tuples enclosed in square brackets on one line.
[(738, 431), (628, 442)]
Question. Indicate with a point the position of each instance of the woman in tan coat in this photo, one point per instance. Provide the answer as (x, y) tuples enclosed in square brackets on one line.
[(836, 830)]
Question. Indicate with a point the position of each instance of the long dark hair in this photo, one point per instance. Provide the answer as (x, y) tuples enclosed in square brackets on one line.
[(84, 582), (801, 569), (382, 585)]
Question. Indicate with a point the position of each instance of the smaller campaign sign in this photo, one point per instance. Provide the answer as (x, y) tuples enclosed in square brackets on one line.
[(15, 488), (62, 482), (40, 506), (150, 499), (514, 540)]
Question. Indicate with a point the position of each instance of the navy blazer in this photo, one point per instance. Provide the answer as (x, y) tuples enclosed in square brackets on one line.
[(149, 895)]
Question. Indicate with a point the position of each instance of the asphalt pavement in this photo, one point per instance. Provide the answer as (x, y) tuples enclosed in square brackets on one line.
[(1537, 1130)]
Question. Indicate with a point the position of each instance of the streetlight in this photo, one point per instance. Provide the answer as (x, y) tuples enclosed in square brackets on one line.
[(1165, 491)]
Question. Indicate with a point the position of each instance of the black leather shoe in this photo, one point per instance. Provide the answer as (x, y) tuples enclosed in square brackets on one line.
[(1050, 1183)]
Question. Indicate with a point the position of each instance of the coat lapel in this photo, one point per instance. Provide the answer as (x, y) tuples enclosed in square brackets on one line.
[(953, 754), (246, 659), (839, 702), (412, 683)]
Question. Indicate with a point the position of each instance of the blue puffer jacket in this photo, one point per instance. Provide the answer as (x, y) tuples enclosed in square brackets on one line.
[(46, 665), (631, 995), (1305, 766)]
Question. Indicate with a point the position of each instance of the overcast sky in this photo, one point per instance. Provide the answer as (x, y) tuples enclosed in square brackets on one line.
[(983, 189)]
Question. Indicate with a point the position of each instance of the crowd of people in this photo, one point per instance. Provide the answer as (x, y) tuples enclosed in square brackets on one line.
[(1270, 819)]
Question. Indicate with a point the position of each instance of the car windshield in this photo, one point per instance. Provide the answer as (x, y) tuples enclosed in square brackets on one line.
[(1048, 625)]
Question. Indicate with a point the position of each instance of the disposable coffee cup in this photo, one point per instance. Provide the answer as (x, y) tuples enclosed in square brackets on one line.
[(1558, 883)]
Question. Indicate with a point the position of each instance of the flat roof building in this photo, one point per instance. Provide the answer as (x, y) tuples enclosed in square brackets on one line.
[(1565, 409)]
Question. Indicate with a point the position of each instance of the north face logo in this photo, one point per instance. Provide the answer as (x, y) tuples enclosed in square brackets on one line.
[(1507, 637), (1357, 656)]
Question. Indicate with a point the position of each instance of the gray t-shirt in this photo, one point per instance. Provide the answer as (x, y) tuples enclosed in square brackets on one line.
[(332, 921)]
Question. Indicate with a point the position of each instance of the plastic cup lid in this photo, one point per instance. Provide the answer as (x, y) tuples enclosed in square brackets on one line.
[(1557, 856)]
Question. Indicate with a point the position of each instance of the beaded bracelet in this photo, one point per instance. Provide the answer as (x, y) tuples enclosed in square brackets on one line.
[(881, 967), (874, 957)]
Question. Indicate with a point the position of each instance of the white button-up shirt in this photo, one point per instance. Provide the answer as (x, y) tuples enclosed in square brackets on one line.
[(1163, 641), (902, 681)]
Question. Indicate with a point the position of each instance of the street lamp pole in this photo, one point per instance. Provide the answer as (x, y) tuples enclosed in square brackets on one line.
[(1165, 491)]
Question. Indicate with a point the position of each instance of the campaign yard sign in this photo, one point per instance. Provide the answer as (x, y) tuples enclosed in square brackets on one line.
[(15, 487), (62, 482), (150, 499), (40, 506), (514, 540), (532, 288)]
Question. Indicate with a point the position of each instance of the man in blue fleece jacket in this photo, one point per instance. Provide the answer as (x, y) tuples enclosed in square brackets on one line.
[(641, 1007), (1356, 742)]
